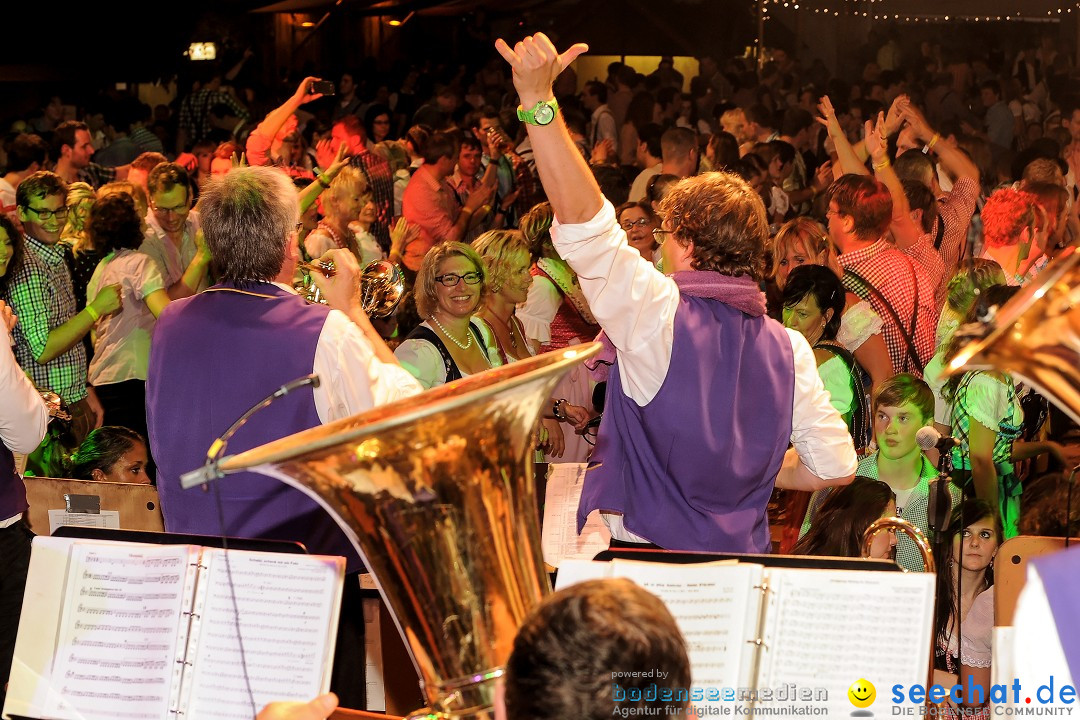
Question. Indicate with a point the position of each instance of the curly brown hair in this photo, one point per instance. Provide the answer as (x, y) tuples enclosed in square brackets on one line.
[(725, 220), (114, 224)]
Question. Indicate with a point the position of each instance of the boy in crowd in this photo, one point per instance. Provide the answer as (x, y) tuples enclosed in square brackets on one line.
[(902, 405)]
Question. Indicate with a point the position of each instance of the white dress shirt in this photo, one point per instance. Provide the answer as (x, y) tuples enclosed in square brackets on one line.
[(352, 377), (636, 304), (23, 415)]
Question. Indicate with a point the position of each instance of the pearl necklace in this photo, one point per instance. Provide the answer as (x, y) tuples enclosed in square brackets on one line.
[(463, 345)]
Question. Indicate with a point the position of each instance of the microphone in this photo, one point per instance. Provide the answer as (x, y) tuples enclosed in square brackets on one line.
[(209, 470), (312, 380), (928, 438), (938, 504)]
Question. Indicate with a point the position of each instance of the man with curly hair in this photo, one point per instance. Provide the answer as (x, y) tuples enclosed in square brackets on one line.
[(1009, 231), (705, 392)]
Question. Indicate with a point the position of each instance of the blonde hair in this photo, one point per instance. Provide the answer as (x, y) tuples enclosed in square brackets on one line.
[(344, 181), (498, 249), (814, 240), (536, 227), (424, 287), (74, 226)]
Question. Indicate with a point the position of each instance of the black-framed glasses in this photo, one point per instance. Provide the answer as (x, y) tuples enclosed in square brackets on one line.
[(629, 225), (660, 235), (178, 210), (452, 279), (45, 215)]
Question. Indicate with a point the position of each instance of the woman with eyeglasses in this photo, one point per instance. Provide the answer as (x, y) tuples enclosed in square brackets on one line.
[(639, 221), (448, 344)]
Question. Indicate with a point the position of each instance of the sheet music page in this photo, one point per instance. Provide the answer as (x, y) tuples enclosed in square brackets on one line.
[(288, 607), (825, 629), (117, 643), (717, 608), (560, 540)]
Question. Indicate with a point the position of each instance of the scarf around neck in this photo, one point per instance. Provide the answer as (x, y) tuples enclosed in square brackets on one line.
[(741, 293)]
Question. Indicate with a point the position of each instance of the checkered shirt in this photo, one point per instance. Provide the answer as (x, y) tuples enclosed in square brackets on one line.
[(956, 209), (41, 294), (97, 175), (891, 272), (195, 112), (381, 184)]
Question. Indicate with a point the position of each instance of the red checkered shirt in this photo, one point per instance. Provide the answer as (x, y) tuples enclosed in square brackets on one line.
[(955, 209), (891, 272)]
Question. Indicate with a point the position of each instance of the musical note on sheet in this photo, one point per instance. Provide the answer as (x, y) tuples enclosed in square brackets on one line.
[(838, 618), (716, 608), (116, 645), (286, 603)]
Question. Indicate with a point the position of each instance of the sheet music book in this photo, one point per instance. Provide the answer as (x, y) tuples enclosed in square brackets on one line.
[(751, 629), (117, 630)]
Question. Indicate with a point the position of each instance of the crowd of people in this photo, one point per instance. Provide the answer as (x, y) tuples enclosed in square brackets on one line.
[(777, 265)]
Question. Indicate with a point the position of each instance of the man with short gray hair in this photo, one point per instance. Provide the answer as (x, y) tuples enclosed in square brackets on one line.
[(216, 354)]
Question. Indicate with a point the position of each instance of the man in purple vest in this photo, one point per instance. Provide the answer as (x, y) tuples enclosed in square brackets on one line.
[(706, 392), (216, 354), (22, 427)]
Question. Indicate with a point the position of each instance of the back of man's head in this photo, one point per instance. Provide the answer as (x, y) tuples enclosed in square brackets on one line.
[(438, 146), (676, 144), (915, 165), (920, 198), (26, 150), (796, 119), (650, 134), (866, 201), (725, 220), (248, 216), (570, 645)]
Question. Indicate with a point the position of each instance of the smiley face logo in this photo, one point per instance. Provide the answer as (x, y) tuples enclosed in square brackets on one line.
[(862, 693)]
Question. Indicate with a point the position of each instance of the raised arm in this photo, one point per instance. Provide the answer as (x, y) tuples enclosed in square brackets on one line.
[(905, 231), (845, 154), (951, 157), (570, 187)]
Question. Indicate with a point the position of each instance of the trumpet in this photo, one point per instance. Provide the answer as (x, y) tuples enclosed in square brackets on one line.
[(382, 285)]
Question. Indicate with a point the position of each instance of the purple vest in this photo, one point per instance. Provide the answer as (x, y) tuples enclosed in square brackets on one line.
[(213, 356), (694, 468), (1060, 575), (12, 489)]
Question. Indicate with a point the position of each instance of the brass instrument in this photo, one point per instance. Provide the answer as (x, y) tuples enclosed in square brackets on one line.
[(1036, 336), (382, 285), (436, 494)]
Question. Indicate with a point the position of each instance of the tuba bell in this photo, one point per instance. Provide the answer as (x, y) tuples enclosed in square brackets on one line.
[(1035, 336), (382, 285), (436, 494)]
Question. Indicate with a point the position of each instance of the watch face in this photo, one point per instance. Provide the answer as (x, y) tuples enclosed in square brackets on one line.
[(544, 114)]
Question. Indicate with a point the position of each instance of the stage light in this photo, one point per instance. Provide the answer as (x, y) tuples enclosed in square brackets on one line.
[(395, 22)]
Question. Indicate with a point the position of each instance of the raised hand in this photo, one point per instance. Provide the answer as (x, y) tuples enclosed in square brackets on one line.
[(828, 117), (402, 235), (7, 317), (536, 63), (895, 116), (303, 92), (876, 137)]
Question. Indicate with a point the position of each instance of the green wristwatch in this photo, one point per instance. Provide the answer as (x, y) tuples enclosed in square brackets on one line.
[(541, 114)]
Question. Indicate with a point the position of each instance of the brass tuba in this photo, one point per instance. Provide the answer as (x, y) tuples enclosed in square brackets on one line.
[(382, 286), (436, 493), (1036, 336)]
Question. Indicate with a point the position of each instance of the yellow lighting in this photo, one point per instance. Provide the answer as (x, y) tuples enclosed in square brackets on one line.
[(307, 23)]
